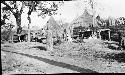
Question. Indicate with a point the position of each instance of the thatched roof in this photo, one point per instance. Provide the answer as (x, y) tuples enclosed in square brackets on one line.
[(84, 20)]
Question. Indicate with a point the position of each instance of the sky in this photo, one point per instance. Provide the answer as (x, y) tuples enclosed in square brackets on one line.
[(105, 8), (72, 9), (114, 8)]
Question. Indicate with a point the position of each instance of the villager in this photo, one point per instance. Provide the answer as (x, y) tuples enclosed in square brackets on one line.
[(36, 37), (22, 38), (120, 38), (19, 30), (123, 43)]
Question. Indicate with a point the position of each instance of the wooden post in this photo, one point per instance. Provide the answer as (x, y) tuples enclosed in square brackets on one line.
[(109, 36), (100, 35), (29, 35), (93, 11), (12, 38), (69, 37), (26, 37), (19, 38), (49, 40)]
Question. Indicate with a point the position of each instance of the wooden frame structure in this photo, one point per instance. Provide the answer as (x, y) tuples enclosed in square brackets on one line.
[(109, 33), (19, 35)]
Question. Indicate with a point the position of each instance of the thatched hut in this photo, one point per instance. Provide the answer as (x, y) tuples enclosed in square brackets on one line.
[(81, 24)]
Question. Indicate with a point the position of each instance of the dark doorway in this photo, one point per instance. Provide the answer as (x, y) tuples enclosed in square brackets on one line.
[(104, 35), (86, 34)]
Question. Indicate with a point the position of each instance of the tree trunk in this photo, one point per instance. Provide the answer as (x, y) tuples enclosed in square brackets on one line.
[(29, 38), (8, 34), (18, 22)]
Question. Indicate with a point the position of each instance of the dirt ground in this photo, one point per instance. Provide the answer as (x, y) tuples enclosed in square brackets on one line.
[(19, 64), (89, 55)]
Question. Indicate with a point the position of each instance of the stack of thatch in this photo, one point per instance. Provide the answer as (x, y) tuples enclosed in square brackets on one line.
[(53, 26)]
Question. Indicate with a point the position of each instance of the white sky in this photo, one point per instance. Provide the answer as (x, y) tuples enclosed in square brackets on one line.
[(73, 9), (114, 8)]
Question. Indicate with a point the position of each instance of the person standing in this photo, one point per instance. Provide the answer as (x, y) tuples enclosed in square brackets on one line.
[(120, 39)]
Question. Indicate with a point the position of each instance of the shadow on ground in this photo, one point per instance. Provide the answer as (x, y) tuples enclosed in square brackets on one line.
[(40, 47), (60, 64)]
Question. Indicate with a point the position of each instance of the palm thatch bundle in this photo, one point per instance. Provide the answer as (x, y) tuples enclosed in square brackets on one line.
[(53, 26)]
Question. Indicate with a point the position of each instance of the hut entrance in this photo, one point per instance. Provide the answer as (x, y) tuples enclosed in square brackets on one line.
[(80, 33), (19, 38), (85, 34), (104, 34)]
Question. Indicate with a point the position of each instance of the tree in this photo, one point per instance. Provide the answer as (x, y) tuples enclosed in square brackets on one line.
[(16, 8), (13, 7), (92, 5), (120, 21), (35, 6), (6, 27)]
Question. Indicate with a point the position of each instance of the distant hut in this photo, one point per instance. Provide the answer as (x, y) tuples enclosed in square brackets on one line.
[(81, 24), (84, 20), (20, 37)]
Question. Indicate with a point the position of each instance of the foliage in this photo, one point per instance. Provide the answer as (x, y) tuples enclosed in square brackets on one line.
[(48, 8), (120, 21), (16, 8)]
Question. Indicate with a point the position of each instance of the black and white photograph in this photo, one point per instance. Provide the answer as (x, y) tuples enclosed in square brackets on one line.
[(59, 37)]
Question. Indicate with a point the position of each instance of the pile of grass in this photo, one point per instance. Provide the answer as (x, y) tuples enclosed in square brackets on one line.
[(90, 50), (65, 48), (119, 57)]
